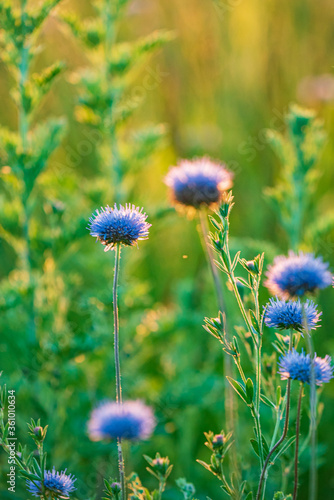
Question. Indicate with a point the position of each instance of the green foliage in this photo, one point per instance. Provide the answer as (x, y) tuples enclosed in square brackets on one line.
[(106, 101), (46, 253), (299, 152)]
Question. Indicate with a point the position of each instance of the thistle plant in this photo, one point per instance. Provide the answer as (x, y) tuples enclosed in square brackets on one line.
[(160, 468), (196, 187), (293, 199), (40, 482), (289, 277), (115, 227)]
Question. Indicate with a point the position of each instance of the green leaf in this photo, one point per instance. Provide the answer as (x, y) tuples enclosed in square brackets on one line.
[(255, 446), (239, 389), (249, 391), (284, 448), (267, 401)]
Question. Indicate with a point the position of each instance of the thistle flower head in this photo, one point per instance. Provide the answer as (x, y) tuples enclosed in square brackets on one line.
[(130, 420), (285, 315), (297, 275), (297, 366), (124, 225), (57, 485), (198, 182)]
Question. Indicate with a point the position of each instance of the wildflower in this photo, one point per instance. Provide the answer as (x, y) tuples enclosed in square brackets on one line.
[(56, 485), (297, 366), (284, 315), (297, 274), (125, 225), (198, 182), (130, 420)]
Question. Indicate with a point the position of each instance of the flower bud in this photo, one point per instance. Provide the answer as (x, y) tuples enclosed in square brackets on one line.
[(160, 465), (116, 487), (38, 432), (218, 441)]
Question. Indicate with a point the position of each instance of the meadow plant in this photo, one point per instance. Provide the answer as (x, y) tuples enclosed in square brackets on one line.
[(40, 482), (289, 277), (295, 203), (129, 420), (109, 98), (26, 150), (293, 196), (196, 187), (33, 227)]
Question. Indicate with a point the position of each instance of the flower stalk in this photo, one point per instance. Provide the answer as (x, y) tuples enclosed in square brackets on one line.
[(260, 493), (121, 465), (313, 412), (295, 487)]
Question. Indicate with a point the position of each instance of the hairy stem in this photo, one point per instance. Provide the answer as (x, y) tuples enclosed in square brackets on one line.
[(295, 487), (117, 364)]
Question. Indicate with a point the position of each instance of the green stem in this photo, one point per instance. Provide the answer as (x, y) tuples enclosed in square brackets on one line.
[(231, 414), (313, 418), (117, 364), (257, 344), (162, 486), (263, 478), (295, 488), (277, 425), (279, 442)]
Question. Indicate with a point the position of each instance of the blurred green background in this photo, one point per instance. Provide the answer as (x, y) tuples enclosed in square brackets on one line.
[(230, 73)]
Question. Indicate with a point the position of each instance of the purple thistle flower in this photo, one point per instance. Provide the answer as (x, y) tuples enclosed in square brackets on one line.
[(130, 420), (125, 225), (297, 274), (285, 315), (198, 182), (57, 485), (297, 366)]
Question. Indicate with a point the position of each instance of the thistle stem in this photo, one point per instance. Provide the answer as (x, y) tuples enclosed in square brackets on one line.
[(258, 345), (295, 488), (231, 416), (313, 411), (263, 477), (278, 443), (313, 422), (117, 365)]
